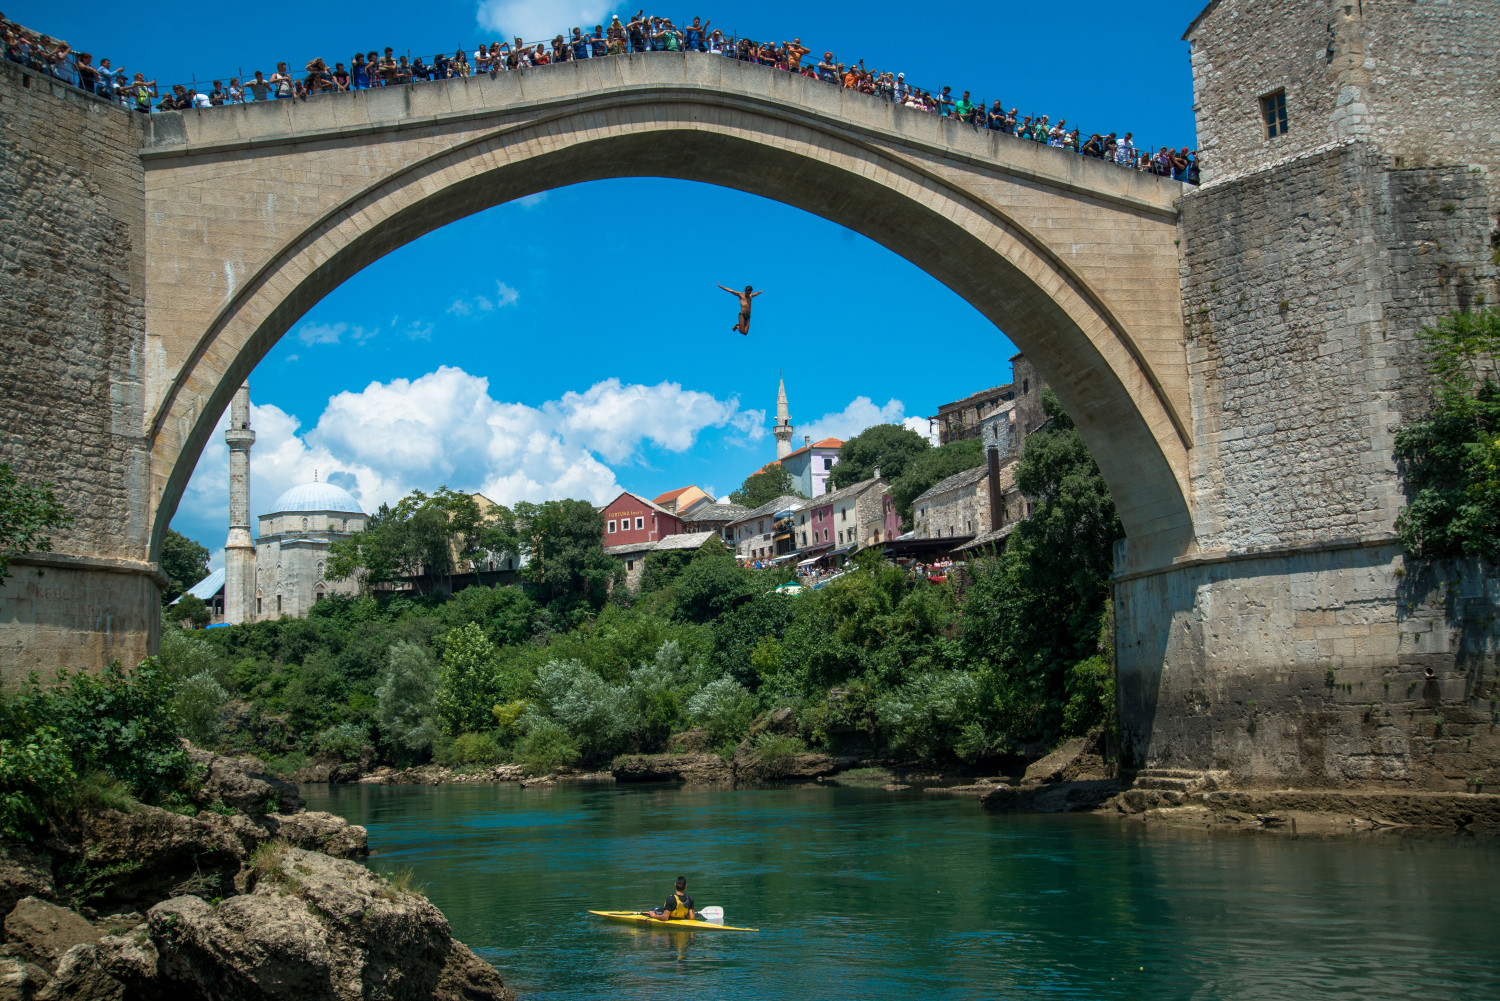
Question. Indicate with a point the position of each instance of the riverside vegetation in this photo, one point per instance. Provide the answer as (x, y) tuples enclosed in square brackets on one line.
[(564, 670)]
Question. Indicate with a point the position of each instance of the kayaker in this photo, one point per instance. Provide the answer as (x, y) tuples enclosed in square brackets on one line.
[(679, 905)]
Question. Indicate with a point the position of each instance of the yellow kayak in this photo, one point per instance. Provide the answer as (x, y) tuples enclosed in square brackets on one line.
[(637, 918)]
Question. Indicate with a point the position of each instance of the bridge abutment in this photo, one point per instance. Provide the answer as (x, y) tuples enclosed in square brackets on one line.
[(73, 376)]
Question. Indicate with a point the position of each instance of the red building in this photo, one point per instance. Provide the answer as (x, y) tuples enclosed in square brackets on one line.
[(629, 519)]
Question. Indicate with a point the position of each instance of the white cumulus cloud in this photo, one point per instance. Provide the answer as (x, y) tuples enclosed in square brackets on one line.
[(923, 427), (861, 413), (538, 20), (390, 438)]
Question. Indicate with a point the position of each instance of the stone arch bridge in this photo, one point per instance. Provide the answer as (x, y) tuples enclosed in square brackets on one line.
[(160, 258)]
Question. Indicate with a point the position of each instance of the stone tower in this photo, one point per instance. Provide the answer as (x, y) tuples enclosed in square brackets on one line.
[(783, 429), (239, 550)]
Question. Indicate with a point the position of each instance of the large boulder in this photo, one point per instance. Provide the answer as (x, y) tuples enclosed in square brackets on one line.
[(1077, 759), (311, 927), (313, 830), (466, 977), (155, 853), (20, 980), (23, 873), (242, 783), (43, 932), (693, 769), (79, 977)]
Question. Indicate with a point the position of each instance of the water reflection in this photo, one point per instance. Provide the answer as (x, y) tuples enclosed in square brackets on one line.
[(860, 893)]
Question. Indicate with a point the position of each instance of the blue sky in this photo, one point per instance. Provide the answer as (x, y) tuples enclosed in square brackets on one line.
[(574, 343)]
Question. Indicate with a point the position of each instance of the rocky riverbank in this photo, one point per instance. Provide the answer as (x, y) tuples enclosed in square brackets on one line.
[(1076, 778), (252, 898)]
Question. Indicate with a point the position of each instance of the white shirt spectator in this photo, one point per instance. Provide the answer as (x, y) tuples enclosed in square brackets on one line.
[(1125, 152), (201, 101)]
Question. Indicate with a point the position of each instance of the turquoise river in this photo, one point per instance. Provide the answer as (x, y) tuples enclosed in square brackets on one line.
[(873, 895)]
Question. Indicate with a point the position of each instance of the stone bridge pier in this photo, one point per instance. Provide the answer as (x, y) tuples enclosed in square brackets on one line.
[(1238, 357)]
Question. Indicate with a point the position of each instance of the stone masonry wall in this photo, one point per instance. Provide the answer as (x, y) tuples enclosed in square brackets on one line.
[(1303, 288), (72, 217), (72, 210), (1294, 646), (1415, 80), (1313, 668)]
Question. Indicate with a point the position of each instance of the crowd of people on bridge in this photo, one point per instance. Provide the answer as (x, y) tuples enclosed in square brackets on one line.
[(639, 33)]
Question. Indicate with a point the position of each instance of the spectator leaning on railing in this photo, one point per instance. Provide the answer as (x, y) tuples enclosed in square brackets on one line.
[(640, 33)]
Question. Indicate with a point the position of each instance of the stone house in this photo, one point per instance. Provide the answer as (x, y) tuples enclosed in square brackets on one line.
[(766, 531), (858, 514), (634, 554), (707, 516), (958, 507)]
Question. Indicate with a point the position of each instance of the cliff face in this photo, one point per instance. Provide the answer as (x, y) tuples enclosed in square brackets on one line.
[(223, 906)]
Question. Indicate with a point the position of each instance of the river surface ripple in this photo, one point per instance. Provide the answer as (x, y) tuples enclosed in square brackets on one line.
[(873, 895)]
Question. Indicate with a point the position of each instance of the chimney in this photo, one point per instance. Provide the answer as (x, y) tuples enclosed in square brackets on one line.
[(997, 502), (877, 472), (807, 439)]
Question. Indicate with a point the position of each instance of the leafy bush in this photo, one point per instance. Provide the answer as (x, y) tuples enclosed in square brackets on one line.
[(724, 708), (546, 746), (118, 722), (345, 742), (404, 700), (596, 714), (472, 749), (185, 653), (1090, 695), (35, 769), (468, 682), (508, 715), (773, 752), (925, 717), (197, 707), (190, 609), (1450, 457)]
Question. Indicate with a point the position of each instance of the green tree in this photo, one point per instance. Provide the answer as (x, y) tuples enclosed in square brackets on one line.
[(424, 538), (888, 447), (28, 512), (190, 608), (710, 585), (665, 568), (561, 541), (926, 469), (1450, 457), (183, 561), (405, 698), (1036, 611), (469, 683), (765, 486)]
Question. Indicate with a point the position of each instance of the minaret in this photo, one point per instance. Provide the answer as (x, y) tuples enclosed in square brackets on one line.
[(239, 551), (783, 429)]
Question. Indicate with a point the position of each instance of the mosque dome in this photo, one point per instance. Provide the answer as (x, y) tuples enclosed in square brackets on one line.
[(316, 496)]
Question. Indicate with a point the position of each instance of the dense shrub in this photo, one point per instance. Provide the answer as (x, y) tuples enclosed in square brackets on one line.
[(36, 768), (197, 707), (724, 708), (1450, 456), (546, 745), (344, 741), (118, 722), (404, 701), (469, 749)]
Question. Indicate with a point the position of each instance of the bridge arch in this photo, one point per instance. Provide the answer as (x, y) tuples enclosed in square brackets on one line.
[(1073, 259)]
